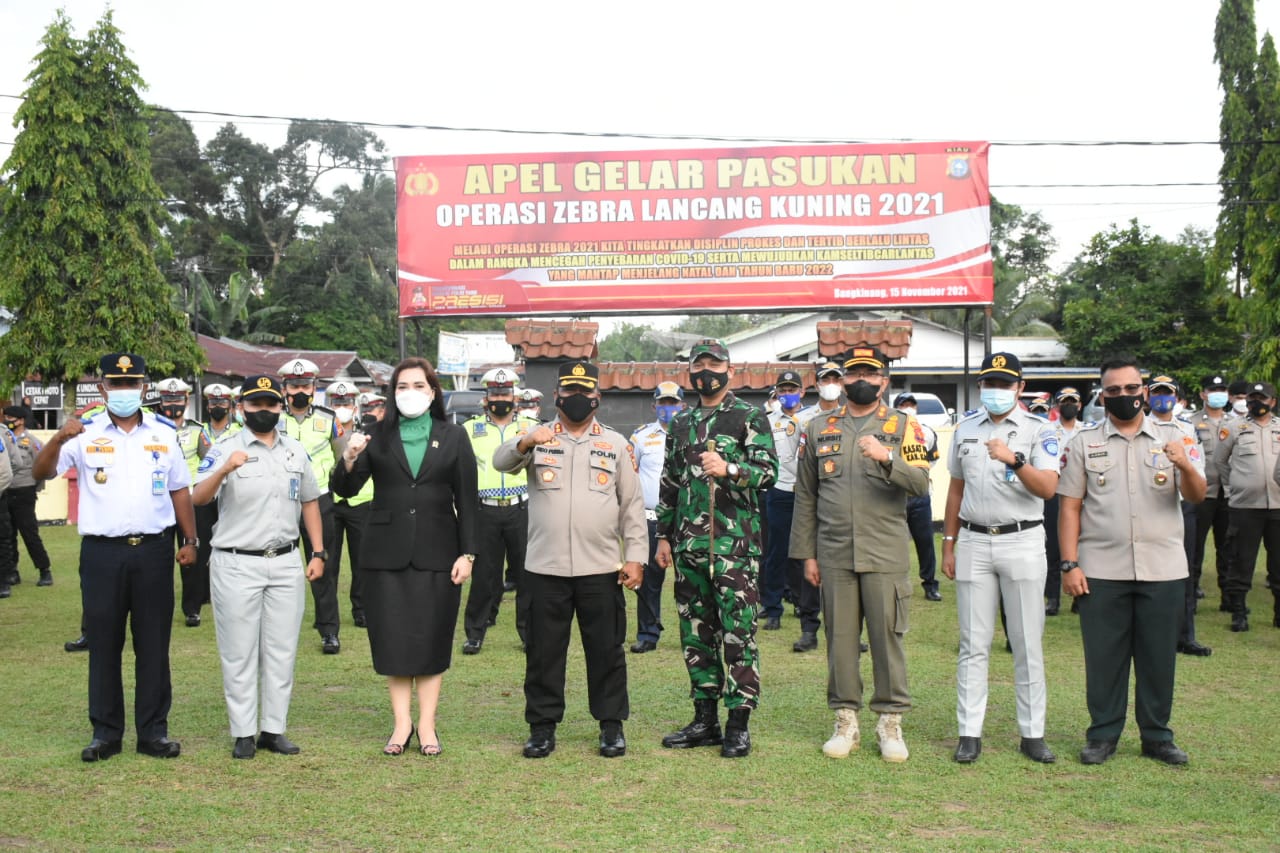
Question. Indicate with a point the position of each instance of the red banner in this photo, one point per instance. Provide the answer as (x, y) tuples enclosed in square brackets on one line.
[(622, 232)]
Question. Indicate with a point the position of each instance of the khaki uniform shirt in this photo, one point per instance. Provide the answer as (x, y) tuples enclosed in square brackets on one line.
[(260, 502), (1130, 521), (850, 511), (26, 447), (993, 494), (787, 429), (586, 509), (1207, 431), (1245, 457)]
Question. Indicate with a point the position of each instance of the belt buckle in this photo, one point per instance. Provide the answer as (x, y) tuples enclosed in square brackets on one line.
[(506, 501), (270, 552), (994, 531), (134, 540)]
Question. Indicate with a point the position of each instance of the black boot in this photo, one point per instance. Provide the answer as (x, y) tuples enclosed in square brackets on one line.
[(737, 740), (703, 731), (1275, 617), (1239, 614)]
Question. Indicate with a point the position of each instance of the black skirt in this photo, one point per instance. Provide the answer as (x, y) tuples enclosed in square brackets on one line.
[(411, 617)]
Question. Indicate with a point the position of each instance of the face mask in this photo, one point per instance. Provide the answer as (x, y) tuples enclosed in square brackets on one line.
[(240, 417), (666, 413), (217, 413), (344, 413), (12, 425), (299, 400), (261, 421), (1258, 408), (412, 403), (1217, 399), (908, 411), (708, 383), (499, 408), (829, 392), (577, 408), (172, 412), (1162, 403), (1240, 407), (998, 401), (1125, 407), (790, 401), (124, 402), (862, 392), (1069, 411)]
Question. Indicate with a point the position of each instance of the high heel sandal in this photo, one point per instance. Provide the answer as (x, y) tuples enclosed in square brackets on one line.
[(429, 749), (393, 748)]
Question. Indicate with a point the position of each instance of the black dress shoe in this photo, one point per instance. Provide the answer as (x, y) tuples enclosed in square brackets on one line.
[(358, 620), (278, 743), (612, 742), (161, 747), (5, 591), (932, 595), (642, 646), (808, 642), (472, 647), (541, 743), (863, 648), (509, 586), (1239, 623), (46, 578), (773, 623), (1097, 751), (1164, 750), (14, 579), (1053, 607), (244, 748), (1194, 648), (1037, 750), (80, 644), (968, 750), (100, 750), (330, 645), (1199, 592), (193, 620)]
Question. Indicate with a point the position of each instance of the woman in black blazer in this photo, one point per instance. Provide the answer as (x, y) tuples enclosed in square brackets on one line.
[(418, 546)]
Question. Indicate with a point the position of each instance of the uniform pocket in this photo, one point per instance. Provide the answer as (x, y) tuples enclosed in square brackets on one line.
[(1101, 480), (902, 595), (603, 471)]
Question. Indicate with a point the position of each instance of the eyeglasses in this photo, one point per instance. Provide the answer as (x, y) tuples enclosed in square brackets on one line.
[(1117, 390)]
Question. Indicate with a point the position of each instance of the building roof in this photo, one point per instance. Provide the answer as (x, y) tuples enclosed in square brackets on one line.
[(893, 337), (237, 359), (557, 339), (747, 376)]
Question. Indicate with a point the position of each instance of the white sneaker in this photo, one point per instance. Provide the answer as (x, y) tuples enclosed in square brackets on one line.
[(889, 732), (845, 738)]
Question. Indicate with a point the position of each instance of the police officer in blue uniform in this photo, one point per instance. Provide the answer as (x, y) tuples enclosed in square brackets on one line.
[(133, 489)]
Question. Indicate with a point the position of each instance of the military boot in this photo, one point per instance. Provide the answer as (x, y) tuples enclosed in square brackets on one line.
[(889, 733), (1239, 614), (703, 731), (737, 740)]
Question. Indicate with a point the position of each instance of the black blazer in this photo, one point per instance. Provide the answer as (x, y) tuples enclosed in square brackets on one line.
[(424, 522)]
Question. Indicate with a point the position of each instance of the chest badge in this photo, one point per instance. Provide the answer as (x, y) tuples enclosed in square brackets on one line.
[(1102, 479), (100, 477), (829, 466), (1161, 478)]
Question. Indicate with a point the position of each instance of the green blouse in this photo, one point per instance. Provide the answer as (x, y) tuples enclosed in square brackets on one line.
[(414, 435)]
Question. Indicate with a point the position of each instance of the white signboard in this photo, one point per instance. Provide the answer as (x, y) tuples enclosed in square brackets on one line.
[(451, 355)]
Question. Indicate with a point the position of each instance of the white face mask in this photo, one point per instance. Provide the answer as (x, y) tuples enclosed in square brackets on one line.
[(1240, 407), (344, 413), (908, 411), (412, 403), (829, 391)]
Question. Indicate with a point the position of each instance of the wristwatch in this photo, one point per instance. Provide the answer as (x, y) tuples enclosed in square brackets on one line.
[(1019, 459), (471, 557), (733, 471), (320, 555), (1067, 565), (187, 540)]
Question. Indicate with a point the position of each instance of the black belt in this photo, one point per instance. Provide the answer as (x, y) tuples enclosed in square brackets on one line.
[(268, 552), (133, 538), (997, 529)]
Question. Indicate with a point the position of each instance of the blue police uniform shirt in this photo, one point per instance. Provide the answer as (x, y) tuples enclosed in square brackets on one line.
[(125, 477)]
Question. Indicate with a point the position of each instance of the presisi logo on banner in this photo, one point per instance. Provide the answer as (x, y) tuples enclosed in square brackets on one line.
[(770, 228)]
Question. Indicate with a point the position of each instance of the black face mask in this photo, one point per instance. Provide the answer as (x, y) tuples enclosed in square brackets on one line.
[(1258, 408), (709, 383), (1125, 407), (578, 407), (217, 413), (172, 412), (299, 400), (500, 408), (367, 422), (1069, 411), (861, 392), (261, 421), (12, 425)]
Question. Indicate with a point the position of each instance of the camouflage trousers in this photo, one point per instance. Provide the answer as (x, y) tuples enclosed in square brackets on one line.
[(718, 627)]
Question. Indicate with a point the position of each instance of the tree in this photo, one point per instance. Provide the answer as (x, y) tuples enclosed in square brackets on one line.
[(1235, 49), (635, 342), (233, 311), (80, 246), (1142, 295)]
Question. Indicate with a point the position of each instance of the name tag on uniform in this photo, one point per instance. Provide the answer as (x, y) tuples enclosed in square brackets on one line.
[(99, 455), (295, 486), (159, 482)]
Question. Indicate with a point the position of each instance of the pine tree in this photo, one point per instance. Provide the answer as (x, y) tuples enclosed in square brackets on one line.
[(1235, 49), (80, 247)]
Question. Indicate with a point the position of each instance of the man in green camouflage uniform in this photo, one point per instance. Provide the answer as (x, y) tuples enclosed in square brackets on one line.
[(723, 447)]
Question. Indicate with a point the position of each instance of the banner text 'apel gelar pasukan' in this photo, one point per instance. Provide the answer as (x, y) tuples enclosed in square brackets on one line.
[(757, 229)]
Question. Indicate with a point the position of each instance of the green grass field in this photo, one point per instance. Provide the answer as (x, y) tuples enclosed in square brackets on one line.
[(342, 794)]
